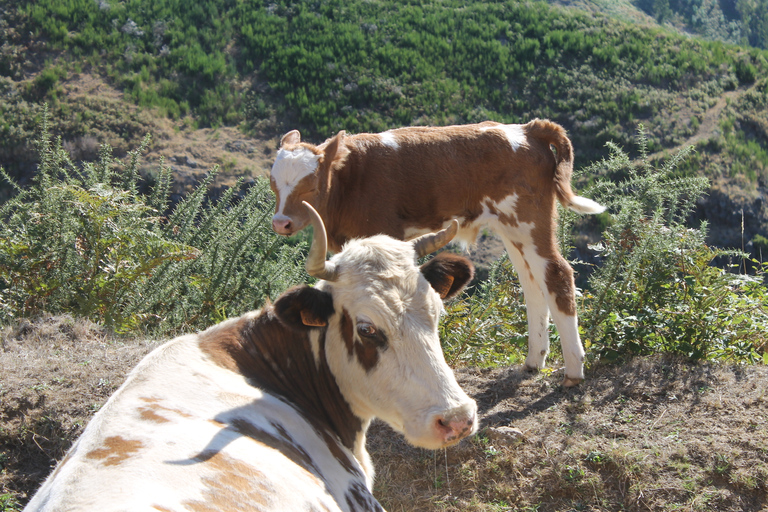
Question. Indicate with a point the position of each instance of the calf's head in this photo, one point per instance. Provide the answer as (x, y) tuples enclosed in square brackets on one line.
[(382, 343), (300, 173)]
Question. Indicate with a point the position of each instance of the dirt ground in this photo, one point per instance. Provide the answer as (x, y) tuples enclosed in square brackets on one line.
[(650, 434)]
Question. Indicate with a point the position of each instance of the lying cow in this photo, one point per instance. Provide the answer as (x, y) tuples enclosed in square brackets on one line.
[(409, 181), (269, 411)]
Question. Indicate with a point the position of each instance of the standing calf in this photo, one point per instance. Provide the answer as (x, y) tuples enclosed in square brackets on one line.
[(410, 181), (269, 411)]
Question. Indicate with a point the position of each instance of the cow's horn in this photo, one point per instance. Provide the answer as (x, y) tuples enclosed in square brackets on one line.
[(427, 244), (316, 265)]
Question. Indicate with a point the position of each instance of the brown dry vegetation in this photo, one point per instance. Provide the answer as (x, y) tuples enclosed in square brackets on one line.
[(651, 434)]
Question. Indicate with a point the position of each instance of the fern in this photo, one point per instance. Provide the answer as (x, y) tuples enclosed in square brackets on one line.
[(654, 291), (85, 240)]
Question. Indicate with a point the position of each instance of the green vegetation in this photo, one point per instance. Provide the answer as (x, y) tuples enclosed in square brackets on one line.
[(368, 66), (8, 503), (737, 22), (656, 290), (86, 241)]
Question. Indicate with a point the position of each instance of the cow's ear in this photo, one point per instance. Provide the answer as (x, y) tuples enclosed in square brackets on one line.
[(290, 138), (448, 273), (304, 307), (334, 151), (331, 147)]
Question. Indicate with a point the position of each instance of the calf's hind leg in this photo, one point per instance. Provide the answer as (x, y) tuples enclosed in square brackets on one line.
[(548, 287)]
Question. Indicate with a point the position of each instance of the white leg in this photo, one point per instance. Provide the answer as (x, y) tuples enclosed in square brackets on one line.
[(537, 309), (573, 351), (534, 271)]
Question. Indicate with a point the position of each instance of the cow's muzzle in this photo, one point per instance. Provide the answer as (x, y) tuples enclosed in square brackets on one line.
[(282, 225), (456, 424)]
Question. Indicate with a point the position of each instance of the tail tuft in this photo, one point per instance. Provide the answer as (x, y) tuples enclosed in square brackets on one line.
[(583, 205)]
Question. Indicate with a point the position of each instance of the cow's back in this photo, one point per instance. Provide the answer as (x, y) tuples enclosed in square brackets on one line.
[(199, 437), (414, 180)]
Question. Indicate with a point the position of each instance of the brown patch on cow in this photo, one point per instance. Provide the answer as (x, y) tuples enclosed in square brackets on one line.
[(151, 412), (367, 353), (147, 414), (508, 219), (280, 361), (559, 280), (340, 455), (231, 486), (348, 332), (115, 451), (221, 345)]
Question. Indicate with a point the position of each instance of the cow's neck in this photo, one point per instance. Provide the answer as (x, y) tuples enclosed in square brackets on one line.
[(336, 209), (280, 361)]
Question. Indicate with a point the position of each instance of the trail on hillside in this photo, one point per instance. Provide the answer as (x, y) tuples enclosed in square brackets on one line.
[(708, 126)]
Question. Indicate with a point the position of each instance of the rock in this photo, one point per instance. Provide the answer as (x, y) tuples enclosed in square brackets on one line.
[(505, 434)]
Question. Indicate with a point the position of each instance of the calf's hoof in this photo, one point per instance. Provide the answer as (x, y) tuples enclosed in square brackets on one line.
[(532, 368), (569, 382)]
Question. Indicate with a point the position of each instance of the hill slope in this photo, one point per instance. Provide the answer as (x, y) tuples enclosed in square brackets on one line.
[(363, 66)]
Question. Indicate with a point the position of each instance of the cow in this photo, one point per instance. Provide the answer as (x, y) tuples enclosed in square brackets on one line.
[(408, 181), (269, 411)]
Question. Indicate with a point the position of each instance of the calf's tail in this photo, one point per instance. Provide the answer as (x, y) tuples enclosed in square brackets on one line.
[(554, 135)]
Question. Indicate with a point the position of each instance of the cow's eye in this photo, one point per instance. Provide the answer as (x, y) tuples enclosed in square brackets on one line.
[(366, 330), (371, 334)]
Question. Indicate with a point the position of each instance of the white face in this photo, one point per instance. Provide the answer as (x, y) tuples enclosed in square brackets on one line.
[(292, 180), (384, 349)]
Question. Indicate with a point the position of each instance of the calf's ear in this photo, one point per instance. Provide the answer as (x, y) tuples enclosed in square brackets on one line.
[(332, 148), (290, 138), (304, 307), (448, 273)]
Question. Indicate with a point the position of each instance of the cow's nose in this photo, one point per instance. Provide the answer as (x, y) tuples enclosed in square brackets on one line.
[(282, 225), (457, 424)]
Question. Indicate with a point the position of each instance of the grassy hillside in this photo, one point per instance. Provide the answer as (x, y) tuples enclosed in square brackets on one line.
[(736, 21), (742, 22), (367, 66)]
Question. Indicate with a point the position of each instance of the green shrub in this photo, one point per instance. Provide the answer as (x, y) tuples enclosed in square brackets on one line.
[(656, 290), (487, 327), (86, 241), (8, 503)]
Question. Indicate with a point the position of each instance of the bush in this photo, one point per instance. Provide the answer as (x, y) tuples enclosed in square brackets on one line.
[(488, 327), (656, 290), (85, 240)]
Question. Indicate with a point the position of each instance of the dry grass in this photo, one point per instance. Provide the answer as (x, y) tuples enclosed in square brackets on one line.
[(55, 373), (653, 434)]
